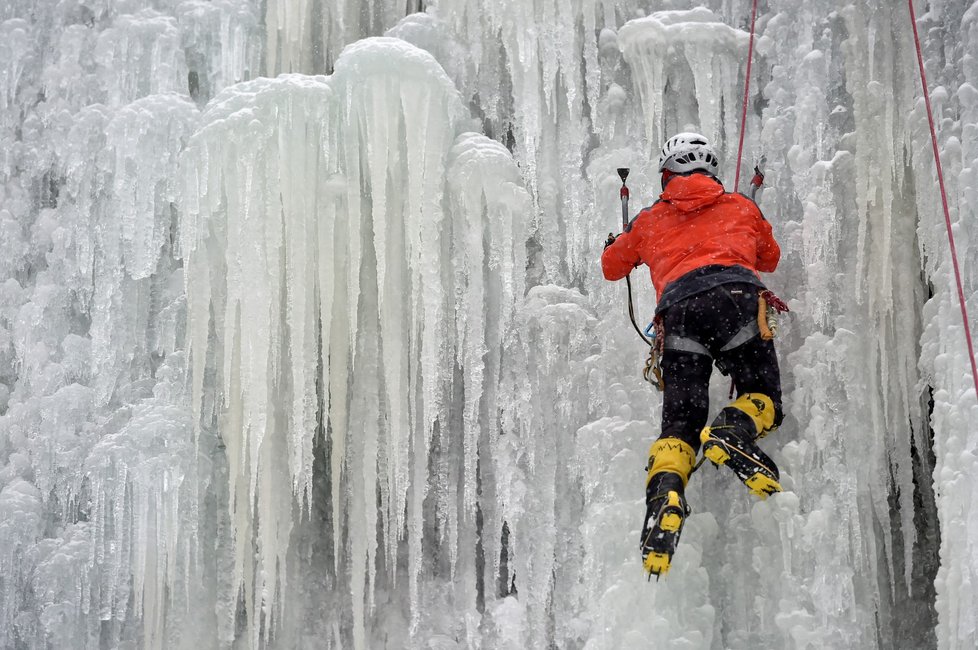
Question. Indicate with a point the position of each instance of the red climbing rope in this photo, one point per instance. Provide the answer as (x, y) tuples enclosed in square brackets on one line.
[(743, 115), (947, 214)]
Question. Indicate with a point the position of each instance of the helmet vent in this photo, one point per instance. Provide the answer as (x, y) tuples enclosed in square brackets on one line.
[(688, 152)]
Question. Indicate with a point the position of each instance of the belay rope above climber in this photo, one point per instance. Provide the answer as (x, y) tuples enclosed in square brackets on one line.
[(947, 214), (743, 112)]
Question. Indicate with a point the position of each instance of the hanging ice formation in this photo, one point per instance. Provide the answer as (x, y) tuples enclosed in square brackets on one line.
[(327, 361), (346, 257), (700, 60)]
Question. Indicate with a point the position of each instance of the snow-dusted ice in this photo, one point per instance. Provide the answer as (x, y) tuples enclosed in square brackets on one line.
[(304, 343)]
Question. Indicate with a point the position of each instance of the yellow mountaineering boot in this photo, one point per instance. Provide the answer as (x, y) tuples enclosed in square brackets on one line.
[(730, 441), (670, 464)]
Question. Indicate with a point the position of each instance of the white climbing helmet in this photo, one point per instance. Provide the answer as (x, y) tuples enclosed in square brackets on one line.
[(687, 152)]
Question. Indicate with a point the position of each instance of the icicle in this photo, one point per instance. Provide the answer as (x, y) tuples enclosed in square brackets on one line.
[(486, 262), (488, 202), (221, 39), (410, 311), (140, 55), (15, 48), (20, 528)]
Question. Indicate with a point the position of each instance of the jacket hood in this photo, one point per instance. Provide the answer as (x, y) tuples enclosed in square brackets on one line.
[(689, 193)]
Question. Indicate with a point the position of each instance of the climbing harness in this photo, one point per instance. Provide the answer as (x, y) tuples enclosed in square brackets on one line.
[(947, 214), (769, 310)]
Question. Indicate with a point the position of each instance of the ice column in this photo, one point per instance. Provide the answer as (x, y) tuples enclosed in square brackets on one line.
[(892, 292), (308, 36), (841, 204), (545, 399), (323, 248), (221, 39), (254, 176)]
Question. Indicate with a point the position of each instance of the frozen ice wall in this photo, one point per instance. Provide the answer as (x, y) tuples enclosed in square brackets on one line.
[(943, 367), (100, 484), (326, 360)]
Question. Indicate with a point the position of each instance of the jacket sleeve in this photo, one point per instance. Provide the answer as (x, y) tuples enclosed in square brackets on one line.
[(768, 251), (622, 256)]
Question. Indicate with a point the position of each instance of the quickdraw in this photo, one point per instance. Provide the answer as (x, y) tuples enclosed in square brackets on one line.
[(653, 371)]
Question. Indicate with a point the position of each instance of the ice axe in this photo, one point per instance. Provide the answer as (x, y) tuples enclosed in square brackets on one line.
[(623, 174), (651, 373), (623, 193), (758, 180)]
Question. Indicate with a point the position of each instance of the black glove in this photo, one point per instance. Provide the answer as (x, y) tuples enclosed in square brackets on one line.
[(611, 240)]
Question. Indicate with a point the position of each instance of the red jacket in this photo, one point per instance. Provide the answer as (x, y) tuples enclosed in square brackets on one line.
[(694, 224)]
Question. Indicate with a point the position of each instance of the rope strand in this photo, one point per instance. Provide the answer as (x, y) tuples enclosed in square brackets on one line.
[(947, 213), (743, 114)]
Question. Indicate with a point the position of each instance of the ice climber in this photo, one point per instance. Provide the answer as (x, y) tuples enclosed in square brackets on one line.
[(704, 248)]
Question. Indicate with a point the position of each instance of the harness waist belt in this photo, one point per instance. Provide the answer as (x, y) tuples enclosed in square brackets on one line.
[(685, 344), (746, 333)]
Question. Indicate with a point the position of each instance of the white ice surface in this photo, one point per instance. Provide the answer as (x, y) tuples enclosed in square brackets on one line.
[(326, 359)]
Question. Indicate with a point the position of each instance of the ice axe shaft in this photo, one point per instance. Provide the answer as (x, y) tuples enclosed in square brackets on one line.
[(623, 174)]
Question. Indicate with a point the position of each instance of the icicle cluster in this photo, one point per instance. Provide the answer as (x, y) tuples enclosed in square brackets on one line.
[(533, 70), (545, 398), (308, 36), (344, 270)]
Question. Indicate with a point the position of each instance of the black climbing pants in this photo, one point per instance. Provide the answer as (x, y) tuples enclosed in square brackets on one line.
[(712, 319)]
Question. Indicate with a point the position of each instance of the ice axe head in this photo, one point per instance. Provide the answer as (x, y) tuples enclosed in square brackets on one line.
[(758, 179), (623, 173)]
